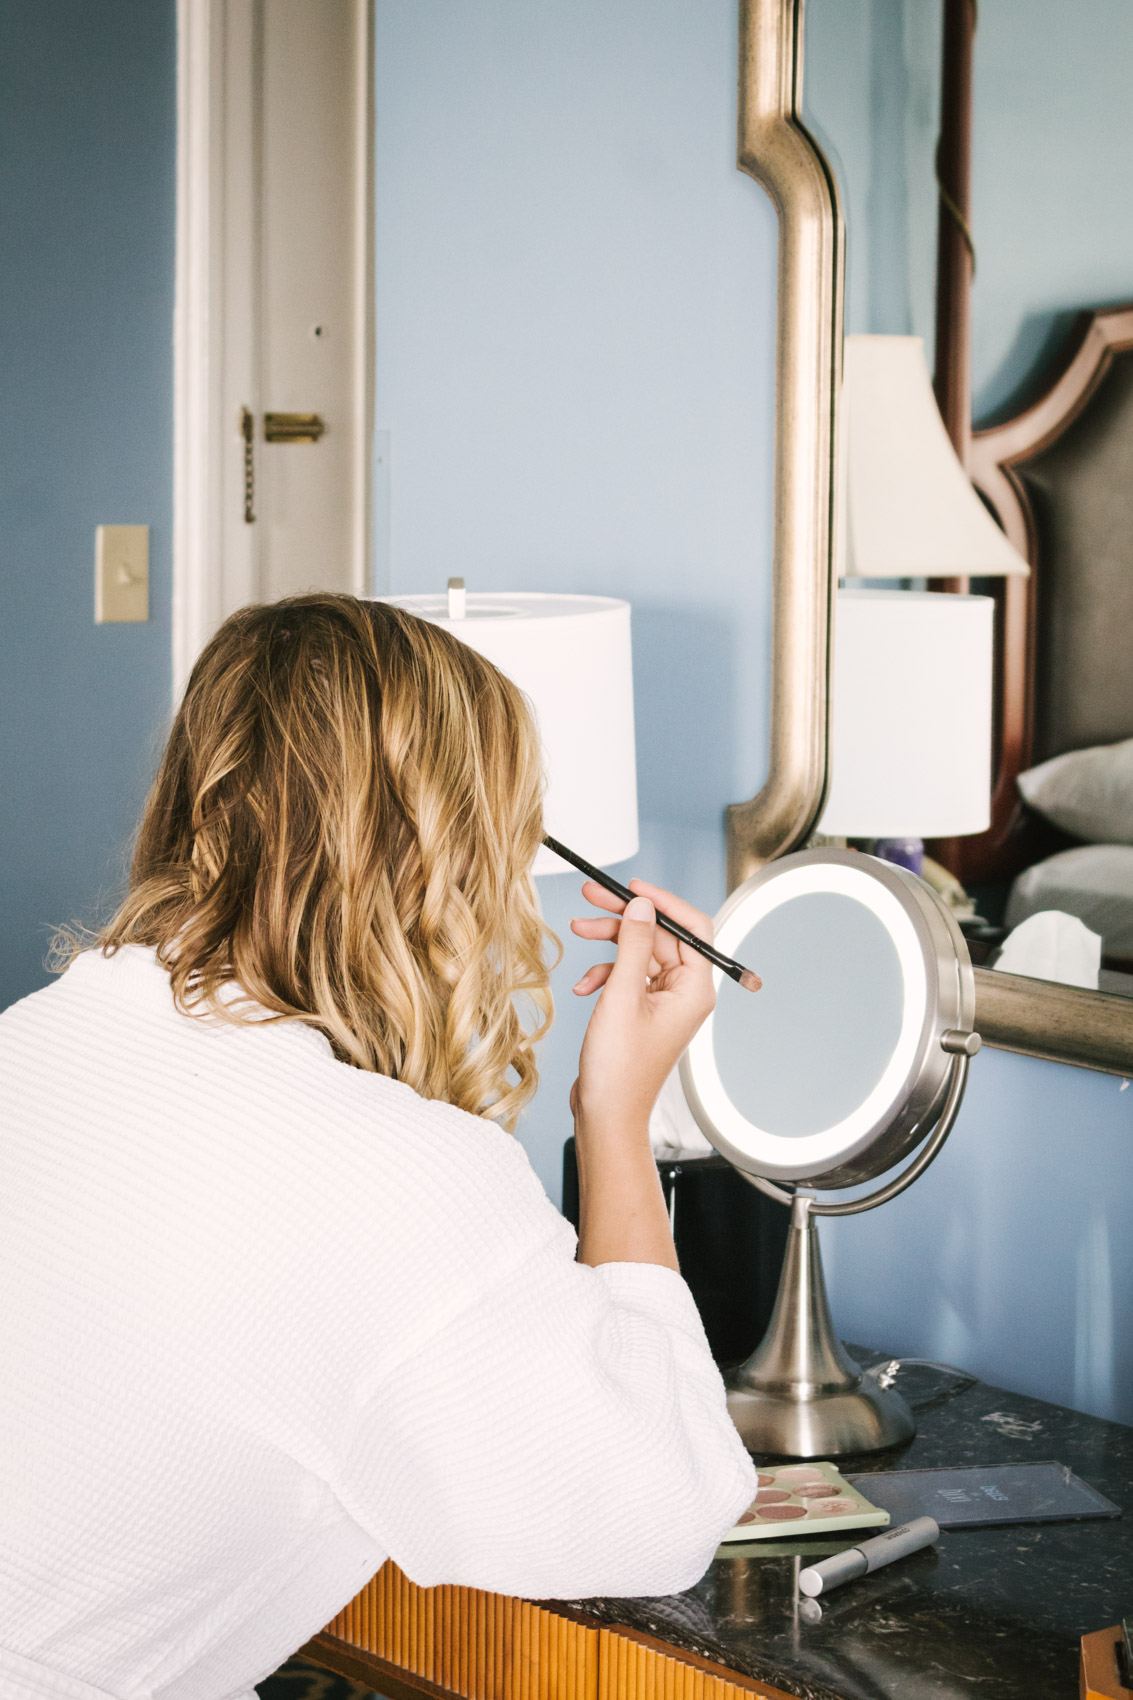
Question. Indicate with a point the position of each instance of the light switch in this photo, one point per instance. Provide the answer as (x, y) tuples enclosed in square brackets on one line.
[(121, 573)]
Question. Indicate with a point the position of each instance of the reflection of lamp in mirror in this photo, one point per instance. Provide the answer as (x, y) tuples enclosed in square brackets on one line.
[(910, 724), (907, 508), (912, 691), (854, 1054)]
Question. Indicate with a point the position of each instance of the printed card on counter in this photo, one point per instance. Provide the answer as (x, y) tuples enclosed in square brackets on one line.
[(982, 1495)]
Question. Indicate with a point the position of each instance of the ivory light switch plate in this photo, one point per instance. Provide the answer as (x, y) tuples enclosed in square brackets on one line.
[(121, 573)]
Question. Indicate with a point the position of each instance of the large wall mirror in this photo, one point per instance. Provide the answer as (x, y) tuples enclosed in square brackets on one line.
[(845, 123)]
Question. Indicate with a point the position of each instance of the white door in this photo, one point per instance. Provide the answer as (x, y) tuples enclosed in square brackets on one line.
[(274, 306)]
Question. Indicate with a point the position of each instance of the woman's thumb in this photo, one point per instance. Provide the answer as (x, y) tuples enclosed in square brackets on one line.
[(635, 940)]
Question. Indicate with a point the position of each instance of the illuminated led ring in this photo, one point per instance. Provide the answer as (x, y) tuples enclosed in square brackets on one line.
[(922, 1084)]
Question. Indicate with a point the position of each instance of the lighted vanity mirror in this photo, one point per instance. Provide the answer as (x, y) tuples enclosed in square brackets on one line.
[(828, 1073), (855, 1052)]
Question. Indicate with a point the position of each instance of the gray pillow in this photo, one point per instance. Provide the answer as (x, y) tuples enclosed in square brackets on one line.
[(1088, 793), (1094, 882)]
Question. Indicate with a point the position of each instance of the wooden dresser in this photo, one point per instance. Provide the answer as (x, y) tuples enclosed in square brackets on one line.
[(403, 1640)]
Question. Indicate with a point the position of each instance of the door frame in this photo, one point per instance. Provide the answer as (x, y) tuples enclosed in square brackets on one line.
[(215, 311)]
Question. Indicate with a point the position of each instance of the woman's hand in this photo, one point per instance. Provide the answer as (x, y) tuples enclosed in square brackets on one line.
[(654, 997)]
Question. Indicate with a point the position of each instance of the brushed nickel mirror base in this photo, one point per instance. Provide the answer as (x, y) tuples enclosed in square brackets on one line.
[(800, 1395)]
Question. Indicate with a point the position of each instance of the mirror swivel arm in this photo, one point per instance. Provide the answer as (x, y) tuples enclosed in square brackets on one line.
[(928, 1151)]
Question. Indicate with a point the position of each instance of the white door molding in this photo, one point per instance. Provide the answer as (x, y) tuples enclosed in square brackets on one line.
[(365, 300), (219, 561), (195, 504)]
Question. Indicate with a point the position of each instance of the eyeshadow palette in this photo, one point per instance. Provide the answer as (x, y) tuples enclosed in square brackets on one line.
[(809, 1499)]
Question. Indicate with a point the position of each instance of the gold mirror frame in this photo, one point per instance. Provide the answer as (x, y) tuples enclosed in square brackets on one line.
[(1033, 1017), (775, 149)]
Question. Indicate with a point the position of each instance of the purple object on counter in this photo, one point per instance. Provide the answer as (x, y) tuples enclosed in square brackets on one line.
[(905, 852)]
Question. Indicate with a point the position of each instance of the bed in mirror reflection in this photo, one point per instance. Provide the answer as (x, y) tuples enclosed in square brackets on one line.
[(1059, 476)]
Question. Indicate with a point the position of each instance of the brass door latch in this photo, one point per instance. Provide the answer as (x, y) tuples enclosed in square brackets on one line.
[(278, 428), (293, 427)]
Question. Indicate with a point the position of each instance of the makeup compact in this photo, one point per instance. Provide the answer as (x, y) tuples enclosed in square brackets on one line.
[(809, 1499)]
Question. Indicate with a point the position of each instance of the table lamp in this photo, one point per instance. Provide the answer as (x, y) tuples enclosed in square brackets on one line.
[(911, 713), (570, 656)]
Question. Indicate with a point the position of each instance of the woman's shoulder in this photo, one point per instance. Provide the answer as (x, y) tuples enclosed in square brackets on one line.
[(260, 1124), (273, 1094), (430, 1206), (468, 1159), (386, 1156)]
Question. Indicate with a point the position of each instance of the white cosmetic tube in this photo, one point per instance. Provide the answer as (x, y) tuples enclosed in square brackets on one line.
[(870, 1555)]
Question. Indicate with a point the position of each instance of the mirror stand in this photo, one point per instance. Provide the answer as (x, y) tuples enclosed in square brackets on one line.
[(852, 1061), (800, 1394)]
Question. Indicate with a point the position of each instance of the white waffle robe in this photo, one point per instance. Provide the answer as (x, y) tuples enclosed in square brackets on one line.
[(267, 1320)]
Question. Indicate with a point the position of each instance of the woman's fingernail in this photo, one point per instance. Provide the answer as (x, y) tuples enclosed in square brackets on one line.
[(639, 909), (578, 985)]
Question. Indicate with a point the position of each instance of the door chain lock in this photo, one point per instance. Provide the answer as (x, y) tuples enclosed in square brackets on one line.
[(248, 432)]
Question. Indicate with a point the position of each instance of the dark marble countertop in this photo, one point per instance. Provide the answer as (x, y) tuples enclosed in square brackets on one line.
[(991, 1612)]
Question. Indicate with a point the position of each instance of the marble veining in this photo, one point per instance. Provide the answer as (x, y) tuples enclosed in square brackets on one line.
[(995, 1612)]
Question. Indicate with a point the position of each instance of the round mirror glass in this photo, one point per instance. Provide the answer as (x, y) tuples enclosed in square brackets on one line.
[(841, 1046), (832, 989)]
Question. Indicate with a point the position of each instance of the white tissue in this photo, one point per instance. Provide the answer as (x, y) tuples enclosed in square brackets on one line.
[(1053, 946), (673, 1130)]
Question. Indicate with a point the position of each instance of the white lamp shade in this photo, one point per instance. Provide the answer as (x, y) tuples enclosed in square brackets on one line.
[(908, 509), (910, 738), (570, 656)]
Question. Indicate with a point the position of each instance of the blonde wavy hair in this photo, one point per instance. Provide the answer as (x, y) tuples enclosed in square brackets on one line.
[(344, 823)]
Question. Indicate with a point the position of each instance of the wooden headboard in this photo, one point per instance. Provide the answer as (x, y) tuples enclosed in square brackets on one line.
[(1059, 478)]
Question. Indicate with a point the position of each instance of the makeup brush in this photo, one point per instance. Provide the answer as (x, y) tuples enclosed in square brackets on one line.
[(735, 970)]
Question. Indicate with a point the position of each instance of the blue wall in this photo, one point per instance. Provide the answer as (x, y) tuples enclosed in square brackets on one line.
[(871, 97), (1052, 160), (575, 334), (576, 308), (87, 159), (1011, 1256), (1052, 139)]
